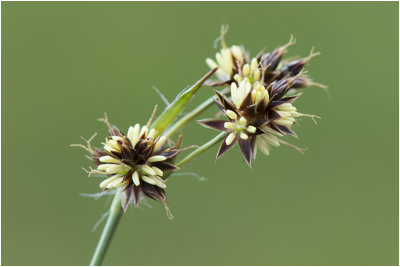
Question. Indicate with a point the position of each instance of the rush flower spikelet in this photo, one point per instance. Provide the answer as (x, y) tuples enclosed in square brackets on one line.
[(262, 89), (137, 163)]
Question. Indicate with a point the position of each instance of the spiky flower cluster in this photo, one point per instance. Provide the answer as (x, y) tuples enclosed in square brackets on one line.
[(127, 158), (258, 113), (262, 92), (137, 163)]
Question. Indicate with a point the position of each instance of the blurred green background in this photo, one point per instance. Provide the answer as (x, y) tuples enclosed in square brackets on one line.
[(64, 64)]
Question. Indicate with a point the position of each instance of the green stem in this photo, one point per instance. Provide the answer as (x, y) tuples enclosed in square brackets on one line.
[(191, 115), (201, 149), (108, 231)]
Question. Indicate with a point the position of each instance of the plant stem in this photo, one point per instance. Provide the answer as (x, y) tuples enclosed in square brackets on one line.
[(201, 149), (108, 230), (191, 115)]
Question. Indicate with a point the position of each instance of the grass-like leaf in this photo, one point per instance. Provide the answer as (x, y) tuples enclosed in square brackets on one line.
[(173, 109)]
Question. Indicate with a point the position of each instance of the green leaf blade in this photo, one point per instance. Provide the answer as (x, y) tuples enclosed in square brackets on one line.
[(173, 109)]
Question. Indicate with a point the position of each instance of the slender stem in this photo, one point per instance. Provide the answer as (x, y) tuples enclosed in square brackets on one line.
[(201, 149), (108, 231), (191, 115)]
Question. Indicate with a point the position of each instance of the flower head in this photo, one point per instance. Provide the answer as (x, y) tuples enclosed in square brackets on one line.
[(264, 68), (260, 110), (137, 163), (239, 127)]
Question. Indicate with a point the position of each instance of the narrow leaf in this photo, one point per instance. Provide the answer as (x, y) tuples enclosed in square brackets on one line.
[(173, 109)]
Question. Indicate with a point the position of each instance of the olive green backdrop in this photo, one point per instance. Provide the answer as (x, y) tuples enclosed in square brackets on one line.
[(64, 64)]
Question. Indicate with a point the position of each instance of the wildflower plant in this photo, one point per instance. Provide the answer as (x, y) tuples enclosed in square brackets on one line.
[(255, 95)]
